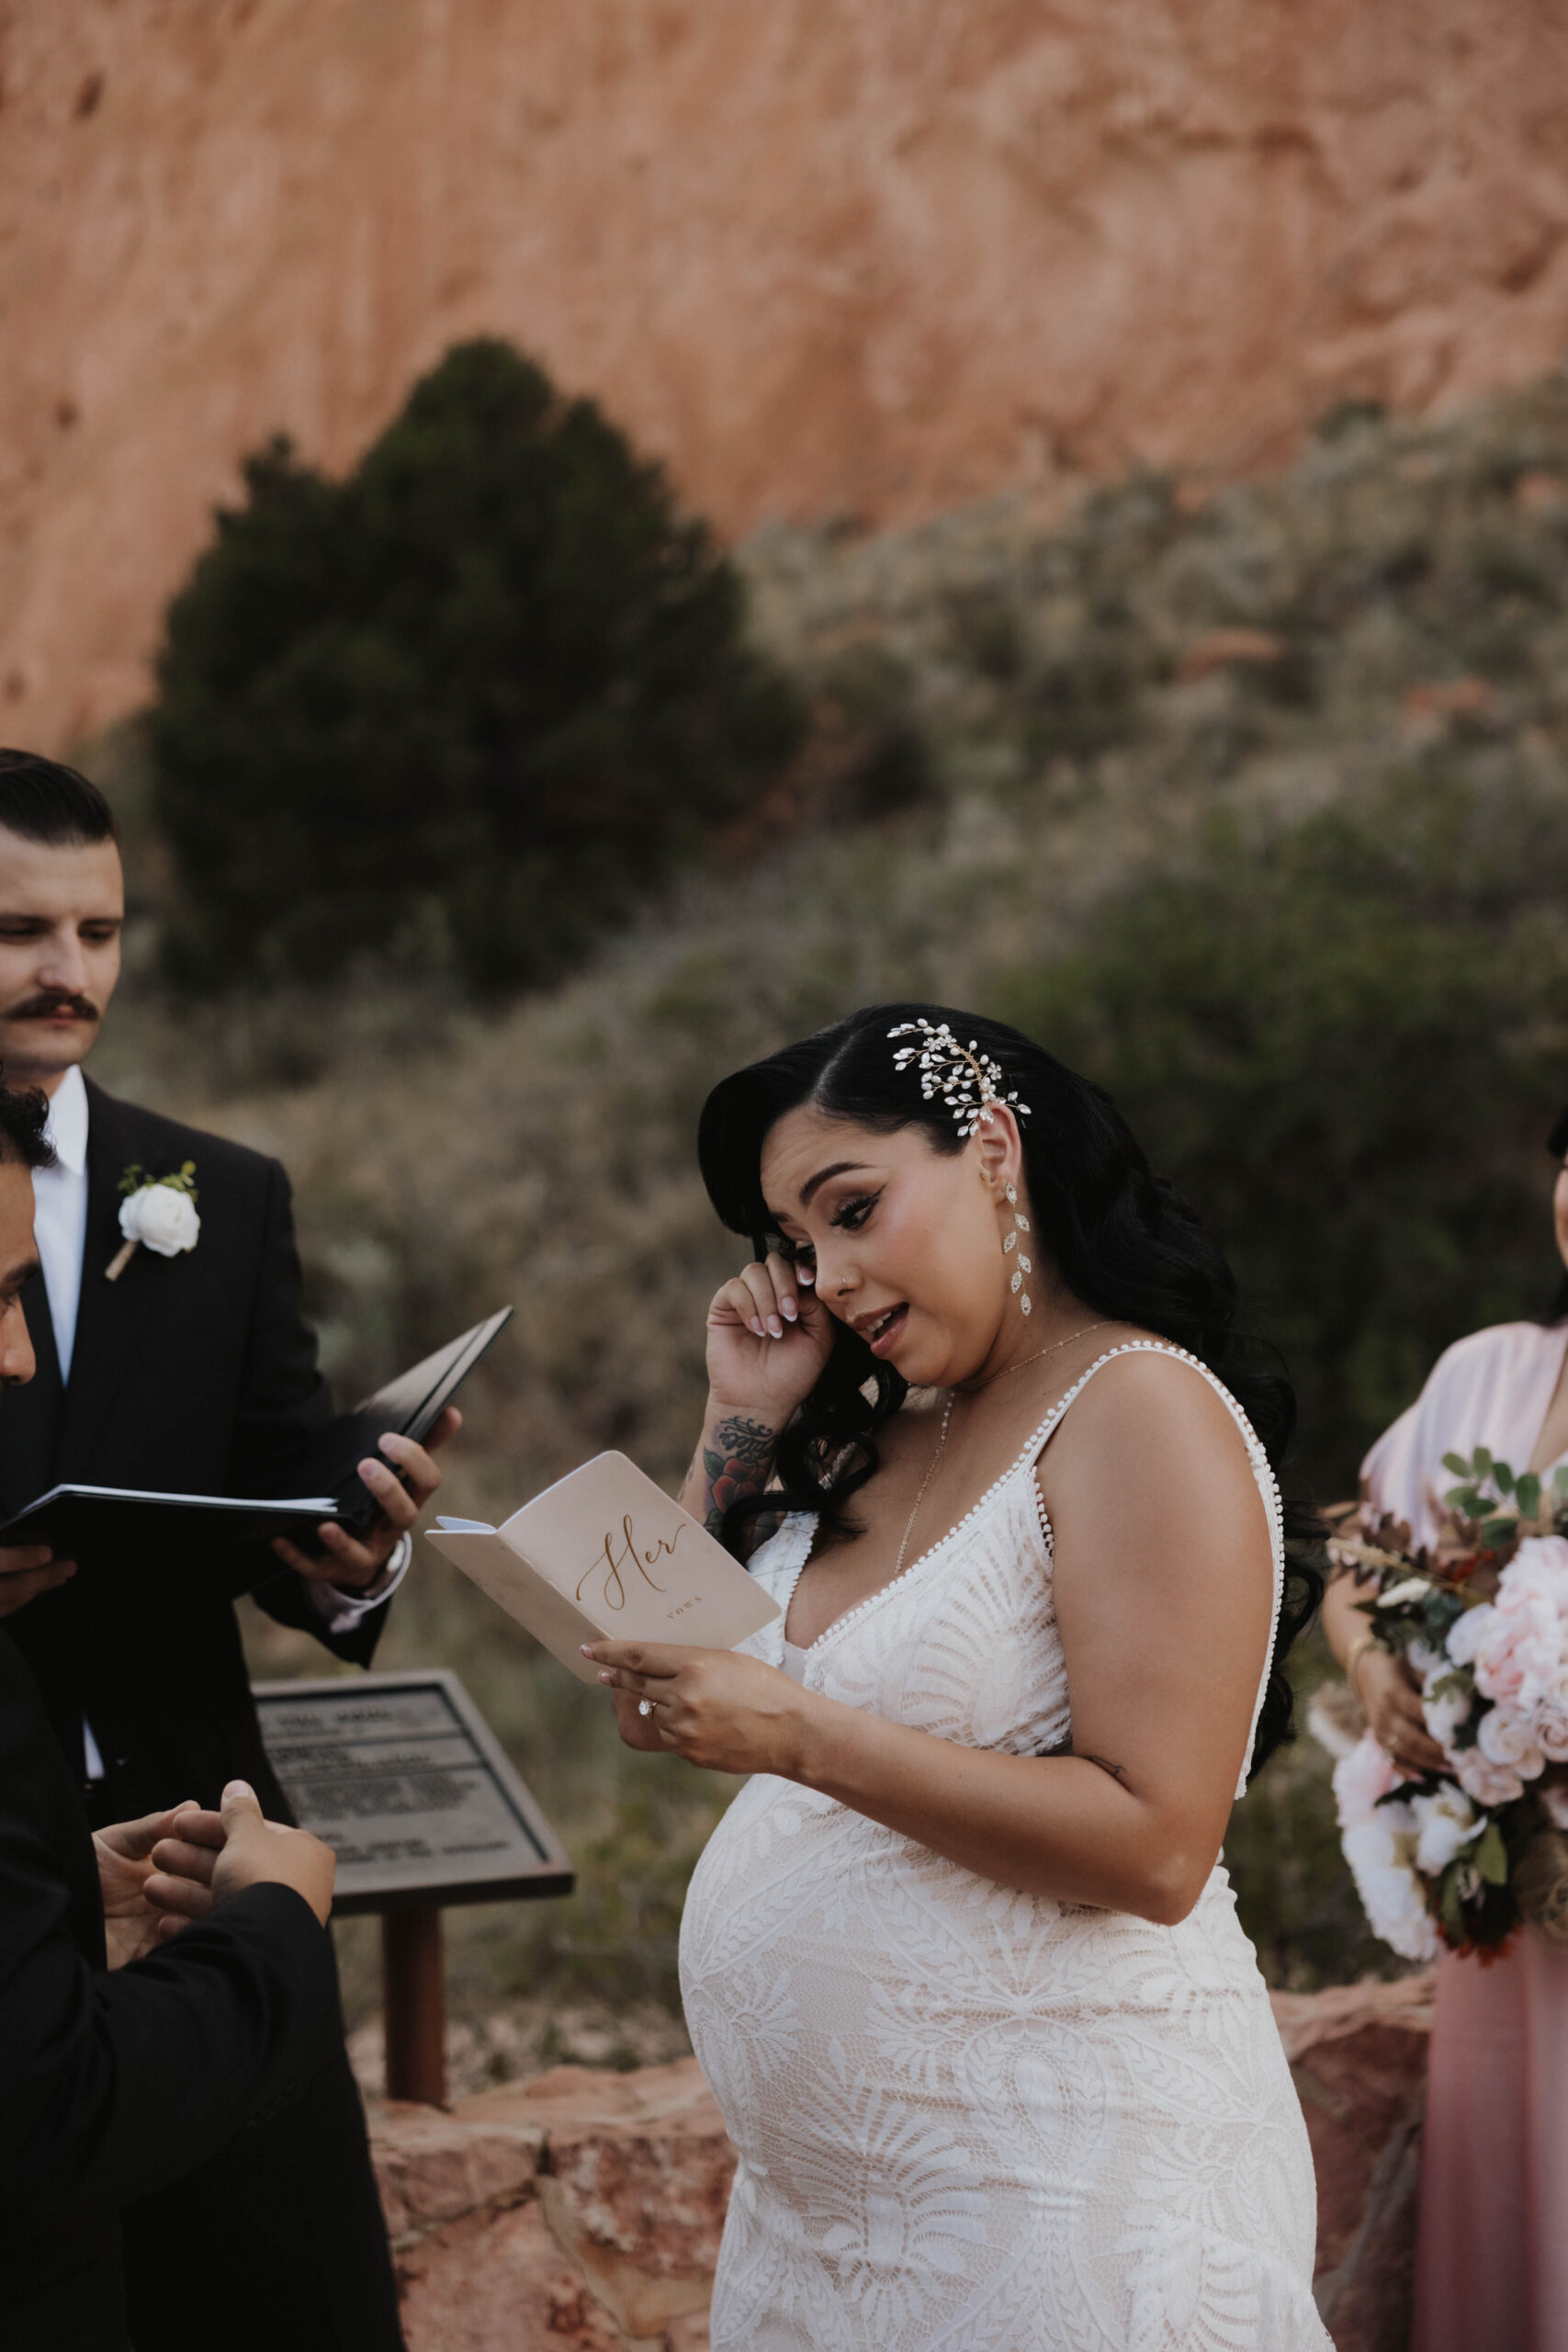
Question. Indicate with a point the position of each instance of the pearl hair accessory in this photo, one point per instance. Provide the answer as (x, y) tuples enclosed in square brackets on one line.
[(968, 1082)]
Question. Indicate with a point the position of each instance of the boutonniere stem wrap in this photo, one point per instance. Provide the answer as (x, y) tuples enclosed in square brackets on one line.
[(159, 1210)]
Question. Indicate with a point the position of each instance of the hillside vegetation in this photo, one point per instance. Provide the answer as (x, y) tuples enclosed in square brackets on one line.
[(1253, 803), (467, 705)]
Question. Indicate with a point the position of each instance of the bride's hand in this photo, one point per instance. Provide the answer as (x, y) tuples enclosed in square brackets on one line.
[(716, 1708), (769, 1337)]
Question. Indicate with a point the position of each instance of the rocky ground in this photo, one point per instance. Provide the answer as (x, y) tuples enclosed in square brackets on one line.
[(580, 2210)]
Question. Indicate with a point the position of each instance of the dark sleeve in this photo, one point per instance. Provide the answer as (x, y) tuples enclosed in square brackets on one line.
[(285, 1406), (111, 2084)]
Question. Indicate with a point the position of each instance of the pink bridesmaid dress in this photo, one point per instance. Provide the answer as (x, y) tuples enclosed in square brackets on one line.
[(1492, 2264)]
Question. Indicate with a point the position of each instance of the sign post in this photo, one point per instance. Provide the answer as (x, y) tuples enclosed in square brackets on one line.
[(402, 1777)]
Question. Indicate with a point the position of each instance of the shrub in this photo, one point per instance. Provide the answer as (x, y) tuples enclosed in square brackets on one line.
[(1344, 1042), (493, 679)]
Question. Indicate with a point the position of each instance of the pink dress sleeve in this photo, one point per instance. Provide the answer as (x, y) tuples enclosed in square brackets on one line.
[(1492, 1388)]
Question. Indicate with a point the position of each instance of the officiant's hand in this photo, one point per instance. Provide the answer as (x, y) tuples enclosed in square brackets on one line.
[(354, 1561), (769, 1337), (716, 1708), (211, 1856), (130, 1854), (26, 1570)]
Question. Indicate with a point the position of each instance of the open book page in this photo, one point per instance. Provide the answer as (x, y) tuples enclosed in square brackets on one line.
[(605, 1554)]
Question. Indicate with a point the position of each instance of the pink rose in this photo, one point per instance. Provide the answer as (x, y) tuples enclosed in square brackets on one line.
[(1508, 1739), (1518, 1644), (1488, 1783), (1360, 1780)]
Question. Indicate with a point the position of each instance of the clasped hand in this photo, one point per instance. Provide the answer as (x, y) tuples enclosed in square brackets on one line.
[(158, 1873), (716, 1708)]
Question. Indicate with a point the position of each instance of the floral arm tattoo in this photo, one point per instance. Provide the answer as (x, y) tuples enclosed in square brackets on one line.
[(738, 1462)]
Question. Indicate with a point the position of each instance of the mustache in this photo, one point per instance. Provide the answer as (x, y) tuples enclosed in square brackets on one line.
[(49, 1003)]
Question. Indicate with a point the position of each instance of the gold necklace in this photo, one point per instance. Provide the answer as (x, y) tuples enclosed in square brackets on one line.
[(947, 1416), (925, 1482), (1082, 1333)]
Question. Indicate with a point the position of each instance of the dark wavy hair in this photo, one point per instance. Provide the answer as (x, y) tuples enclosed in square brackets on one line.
[(1557, 1144), (1121, 1239), (24, 1116)]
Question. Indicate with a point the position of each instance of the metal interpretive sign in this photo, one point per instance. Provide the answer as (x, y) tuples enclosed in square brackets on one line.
[(402, 1777)]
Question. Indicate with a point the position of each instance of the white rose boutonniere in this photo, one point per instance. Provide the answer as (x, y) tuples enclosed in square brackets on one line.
[(159, 1210)]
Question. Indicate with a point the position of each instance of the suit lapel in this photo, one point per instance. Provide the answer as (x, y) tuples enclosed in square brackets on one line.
[(111, 1315), (30, 1417)]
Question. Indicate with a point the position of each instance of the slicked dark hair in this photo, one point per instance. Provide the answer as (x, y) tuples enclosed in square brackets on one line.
[(43, 800), (24, 1114), (1124, 1240)]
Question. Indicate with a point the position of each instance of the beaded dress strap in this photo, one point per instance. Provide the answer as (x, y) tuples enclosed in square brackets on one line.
[(1262, 1469)]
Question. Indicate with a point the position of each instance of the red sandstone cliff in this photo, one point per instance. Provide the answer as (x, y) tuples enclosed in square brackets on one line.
[(874, 255)]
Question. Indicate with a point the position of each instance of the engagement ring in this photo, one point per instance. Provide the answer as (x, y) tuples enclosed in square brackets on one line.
[(645, 1706)]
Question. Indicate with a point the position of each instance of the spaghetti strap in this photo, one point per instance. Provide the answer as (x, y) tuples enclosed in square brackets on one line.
[(1262, 1471)]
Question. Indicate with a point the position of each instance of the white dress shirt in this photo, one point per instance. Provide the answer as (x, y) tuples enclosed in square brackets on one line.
[(60, 1230), (59, 1213)]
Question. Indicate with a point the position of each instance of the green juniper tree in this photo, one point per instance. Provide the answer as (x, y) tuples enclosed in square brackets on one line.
[(494, 677)]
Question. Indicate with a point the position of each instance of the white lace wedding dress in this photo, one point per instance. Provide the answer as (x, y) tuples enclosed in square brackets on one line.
[(971, 2118)]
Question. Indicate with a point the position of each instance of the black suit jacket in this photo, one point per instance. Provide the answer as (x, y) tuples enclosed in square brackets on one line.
[(198, 1374), (112, 2086)]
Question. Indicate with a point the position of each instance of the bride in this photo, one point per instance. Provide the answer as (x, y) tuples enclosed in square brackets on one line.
[(960, 1962)]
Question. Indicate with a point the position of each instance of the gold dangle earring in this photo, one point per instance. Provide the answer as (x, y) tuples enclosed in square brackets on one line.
[(1024, 1266)]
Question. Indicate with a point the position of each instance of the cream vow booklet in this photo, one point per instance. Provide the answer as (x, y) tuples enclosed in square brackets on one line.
[(604, 1555)]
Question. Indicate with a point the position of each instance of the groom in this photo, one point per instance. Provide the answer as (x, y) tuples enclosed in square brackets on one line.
[(193, 1373)]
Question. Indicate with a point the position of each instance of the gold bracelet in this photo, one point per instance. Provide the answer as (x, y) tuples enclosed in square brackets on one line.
[(1356, 1653)]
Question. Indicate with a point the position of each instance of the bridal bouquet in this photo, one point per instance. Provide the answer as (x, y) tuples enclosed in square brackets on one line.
[(1482, 1619)]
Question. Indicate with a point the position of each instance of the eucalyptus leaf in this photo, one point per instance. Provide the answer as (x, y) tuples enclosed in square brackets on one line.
[(1502, 1477), (1458, 1464), (1492, 1856), (1527, 1494)]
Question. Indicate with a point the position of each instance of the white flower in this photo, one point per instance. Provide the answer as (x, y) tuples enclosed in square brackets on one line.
[(1444, 1822), (1444, 1717), (1360, 1778), (1466, 1637), (1488, 1783), (1509, 1739), (1390, 1893), (161, 1217), (1381, 1844), (1409, 1589)]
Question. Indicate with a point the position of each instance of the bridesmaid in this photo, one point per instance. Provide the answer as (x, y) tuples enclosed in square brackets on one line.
[(1492, 2265)]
